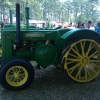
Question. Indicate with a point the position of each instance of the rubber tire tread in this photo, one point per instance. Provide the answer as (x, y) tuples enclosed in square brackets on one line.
[(19, 62)]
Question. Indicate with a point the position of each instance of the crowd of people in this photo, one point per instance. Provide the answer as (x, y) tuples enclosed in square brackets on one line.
[(80, 24)]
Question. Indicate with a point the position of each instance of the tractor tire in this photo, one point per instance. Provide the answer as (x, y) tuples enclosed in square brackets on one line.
[(81, 60), (16, 74)]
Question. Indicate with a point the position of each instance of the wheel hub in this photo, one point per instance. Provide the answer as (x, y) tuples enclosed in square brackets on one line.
[(16, 75), (85, 60)]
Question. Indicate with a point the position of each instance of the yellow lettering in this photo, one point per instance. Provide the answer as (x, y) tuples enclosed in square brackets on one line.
[(34, 35)]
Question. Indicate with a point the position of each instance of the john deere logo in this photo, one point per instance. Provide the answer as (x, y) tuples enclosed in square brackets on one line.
[(34, 35)]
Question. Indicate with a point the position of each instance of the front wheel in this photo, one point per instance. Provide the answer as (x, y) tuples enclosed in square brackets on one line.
[(81, 60), (16, 74)]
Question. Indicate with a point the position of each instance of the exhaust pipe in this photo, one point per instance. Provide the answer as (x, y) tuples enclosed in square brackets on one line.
[(27, 16), (10, 13), (18, 40)]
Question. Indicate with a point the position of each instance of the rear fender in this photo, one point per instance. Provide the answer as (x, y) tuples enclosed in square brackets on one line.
[(80, 33)]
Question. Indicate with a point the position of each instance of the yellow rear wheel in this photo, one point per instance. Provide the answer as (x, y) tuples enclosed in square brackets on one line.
[(82, 60)]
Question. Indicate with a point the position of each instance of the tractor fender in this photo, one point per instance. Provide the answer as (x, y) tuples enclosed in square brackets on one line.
[(80, 34)]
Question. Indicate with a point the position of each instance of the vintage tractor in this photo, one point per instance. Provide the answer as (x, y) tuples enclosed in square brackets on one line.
[(13, 25), (76, 51)]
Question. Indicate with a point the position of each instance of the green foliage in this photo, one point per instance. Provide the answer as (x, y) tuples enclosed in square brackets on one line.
[(54, 10), (93, 0)]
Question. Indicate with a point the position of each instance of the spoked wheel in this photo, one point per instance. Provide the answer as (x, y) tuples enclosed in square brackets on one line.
[(16, 74), (81, 60)]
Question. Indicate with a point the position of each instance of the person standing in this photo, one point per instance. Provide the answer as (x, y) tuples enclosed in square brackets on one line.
[(89, 26), (98, 27), (79, 24), (83, 25)]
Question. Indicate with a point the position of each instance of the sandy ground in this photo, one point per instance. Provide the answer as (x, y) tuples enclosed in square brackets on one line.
[(54, 84)]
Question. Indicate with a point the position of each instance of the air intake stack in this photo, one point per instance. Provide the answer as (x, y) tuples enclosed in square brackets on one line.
[(18, 40)]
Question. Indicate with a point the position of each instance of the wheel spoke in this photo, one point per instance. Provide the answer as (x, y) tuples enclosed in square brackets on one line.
[(17, 81), (20, 79), (14, 80), (92, 68), (89, 49), (88, 72), (93, 54), (73, 59), (71, 62), (72, 68), (11, 72), (79, 72), (77, 53), (82, 47), (96, 66), (22, 76), (73, 55), (84, 44), (98, 55), (94, 61), (85, 72), (76, 48), (20, 70), (11, 77)]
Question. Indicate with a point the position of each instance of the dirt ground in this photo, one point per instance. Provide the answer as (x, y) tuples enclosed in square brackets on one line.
[(54, 84)]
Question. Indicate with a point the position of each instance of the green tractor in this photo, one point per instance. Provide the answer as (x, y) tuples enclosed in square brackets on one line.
[(76, 51), (13, 25)]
